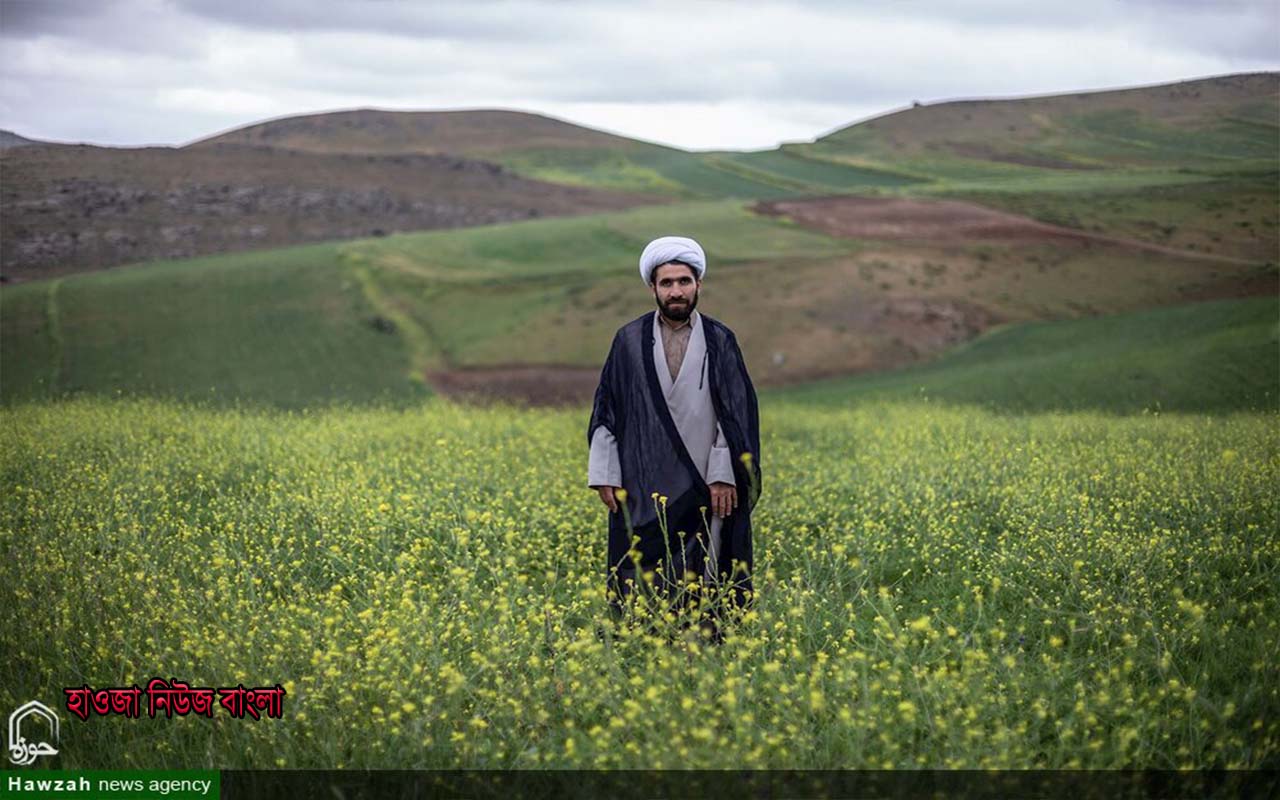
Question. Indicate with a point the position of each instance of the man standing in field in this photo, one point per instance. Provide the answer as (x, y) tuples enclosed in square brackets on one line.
[(676, 425)]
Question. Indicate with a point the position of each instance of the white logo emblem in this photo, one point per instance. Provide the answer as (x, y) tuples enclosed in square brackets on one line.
[(22, 752)]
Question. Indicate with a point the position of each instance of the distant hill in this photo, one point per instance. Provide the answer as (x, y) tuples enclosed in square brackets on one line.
[(1208, 123), (480, 133), (530, 144), (10, 139), (1162, 133), (367, 172), (1174, 132), (1219, 123)]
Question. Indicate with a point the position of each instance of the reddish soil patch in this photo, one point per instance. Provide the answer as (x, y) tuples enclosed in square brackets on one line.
[(538, 385), (921, 326), (934, 221), (944, 222), (1262, 284)]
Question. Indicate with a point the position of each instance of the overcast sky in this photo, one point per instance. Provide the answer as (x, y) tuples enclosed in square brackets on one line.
[(698, 75)]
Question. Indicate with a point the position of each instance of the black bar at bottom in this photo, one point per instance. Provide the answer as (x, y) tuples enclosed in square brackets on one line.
[(743, 784)]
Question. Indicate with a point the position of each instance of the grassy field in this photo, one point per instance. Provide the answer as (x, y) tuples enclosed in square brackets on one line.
[(288, 328), (1206, 357), (1234, 217), (1211, 125), (938, 587)]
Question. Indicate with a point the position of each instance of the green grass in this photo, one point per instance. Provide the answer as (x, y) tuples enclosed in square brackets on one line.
[(30, 347), (287, 328), (1062, 143), (1205, 357), (1126, 135), (706, 176), (1070, 144), (600, 244), (1063, 181), (819, 176), (1234, 217), (655, 170), (604, 169)]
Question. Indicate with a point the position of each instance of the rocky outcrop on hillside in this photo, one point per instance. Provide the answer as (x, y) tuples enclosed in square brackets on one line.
[(68, 209)]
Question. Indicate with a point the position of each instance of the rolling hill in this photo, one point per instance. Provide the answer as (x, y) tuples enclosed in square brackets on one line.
[(536, 146), (524, 309), (478, 134), (1214, 124), (348, 174), (1220, 123), (10, 139), (832, 259)]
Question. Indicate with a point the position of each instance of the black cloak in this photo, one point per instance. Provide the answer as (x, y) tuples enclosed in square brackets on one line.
[(630, 403)]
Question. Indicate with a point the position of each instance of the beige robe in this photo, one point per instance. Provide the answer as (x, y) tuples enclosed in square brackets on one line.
[(688, 396)]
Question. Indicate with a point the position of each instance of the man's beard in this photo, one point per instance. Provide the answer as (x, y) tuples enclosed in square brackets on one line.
[(678, 313)]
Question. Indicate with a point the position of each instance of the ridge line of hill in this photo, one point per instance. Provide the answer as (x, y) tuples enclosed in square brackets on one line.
[(1044, 96)]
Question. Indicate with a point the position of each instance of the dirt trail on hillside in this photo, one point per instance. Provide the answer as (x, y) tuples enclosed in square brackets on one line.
[(945, 222)]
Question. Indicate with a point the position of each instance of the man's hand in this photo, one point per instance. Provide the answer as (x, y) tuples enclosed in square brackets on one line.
[(724, 499), (607, 497)]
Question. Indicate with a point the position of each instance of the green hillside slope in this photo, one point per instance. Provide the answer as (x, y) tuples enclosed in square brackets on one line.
[(288, 328), (1211, 124), (1203, 357)]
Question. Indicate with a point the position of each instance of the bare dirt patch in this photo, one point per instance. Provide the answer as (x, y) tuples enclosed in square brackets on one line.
[(923, 325), (902, 219), (537, 385), (1262, 283), (843, 338), (850, 334), (944, 222)]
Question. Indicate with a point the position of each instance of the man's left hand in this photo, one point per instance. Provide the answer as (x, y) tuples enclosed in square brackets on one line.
[(724, 499)]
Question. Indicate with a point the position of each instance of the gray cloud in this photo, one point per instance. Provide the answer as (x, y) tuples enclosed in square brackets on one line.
[(487, 20), (33, 17)]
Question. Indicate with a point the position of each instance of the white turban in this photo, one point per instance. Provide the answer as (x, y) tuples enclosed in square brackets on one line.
[(672, 248)]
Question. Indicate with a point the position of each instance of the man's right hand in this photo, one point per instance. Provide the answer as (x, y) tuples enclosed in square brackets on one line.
[(607, 497)]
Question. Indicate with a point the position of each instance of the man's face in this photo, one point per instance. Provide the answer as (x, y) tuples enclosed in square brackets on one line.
[(676, 290)]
